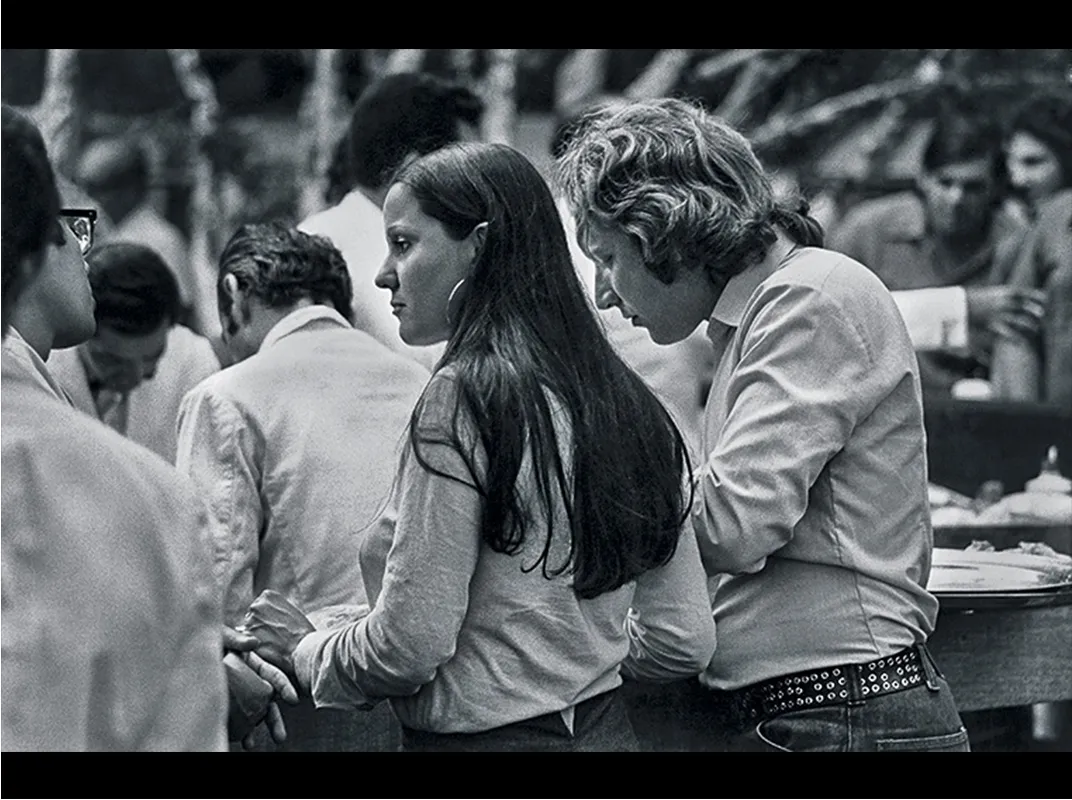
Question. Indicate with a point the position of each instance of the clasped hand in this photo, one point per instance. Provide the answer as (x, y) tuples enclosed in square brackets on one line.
[(279, 626), (253, 685)]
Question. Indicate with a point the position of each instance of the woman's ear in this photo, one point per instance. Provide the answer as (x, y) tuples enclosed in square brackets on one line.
[(478, 236)]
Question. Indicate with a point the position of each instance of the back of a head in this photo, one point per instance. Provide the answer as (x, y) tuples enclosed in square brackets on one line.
[(964, 132), (134, 289), (280, 265), (1047, 116), (403, 114), (113, 162), (571, 125), (30, 204)]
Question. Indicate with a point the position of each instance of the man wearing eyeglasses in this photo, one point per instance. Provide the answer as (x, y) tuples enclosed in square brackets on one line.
[(56, 309), (111, 635), (132, 374)]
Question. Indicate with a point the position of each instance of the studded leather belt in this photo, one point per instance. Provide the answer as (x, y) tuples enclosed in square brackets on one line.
[(824, 687)]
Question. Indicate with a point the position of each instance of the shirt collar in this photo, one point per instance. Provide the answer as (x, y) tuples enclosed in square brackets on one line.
[(21, 350), (730, 306), (299, 318)]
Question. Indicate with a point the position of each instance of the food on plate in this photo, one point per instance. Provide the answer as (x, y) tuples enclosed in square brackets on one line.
[(980, 545), (1000, 571), (1043, 549)]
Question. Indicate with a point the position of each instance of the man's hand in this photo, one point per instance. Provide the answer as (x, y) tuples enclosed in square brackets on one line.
[(278, 626), (253, 685), (1006, 310), (241, 641)]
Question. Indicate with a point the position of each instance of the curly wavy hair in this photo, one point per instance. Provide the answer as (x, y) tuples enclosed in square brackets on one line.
[(685, 184)]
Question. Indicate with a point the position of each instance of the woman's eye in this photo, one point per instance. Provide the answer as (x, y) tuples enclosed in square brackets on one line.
[(400, 245)]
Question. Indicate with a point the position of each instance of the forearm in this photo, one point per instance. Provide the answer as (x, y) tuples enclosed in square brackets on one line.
[(670, 627)]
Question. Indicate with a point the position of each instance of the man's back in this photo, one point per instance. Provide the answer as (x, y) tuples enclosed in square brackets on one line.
[(355, 226), (111, 633), (296, 449)]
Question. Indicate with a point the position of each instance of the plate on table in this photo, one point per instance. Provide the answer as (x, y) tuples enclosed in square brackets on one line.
[(969, 571)]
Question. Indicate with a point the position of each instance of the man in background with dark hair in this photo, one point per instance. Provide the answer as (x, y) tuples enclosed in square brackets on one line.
[(294, 446), (134, 371), (952, 231), (395, 117)]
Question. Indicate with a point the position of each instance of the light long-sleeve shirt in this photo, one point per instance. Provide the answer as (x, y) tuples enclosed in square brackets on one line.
[(463, 640), (812, 512), (111, 632), (294, 450)]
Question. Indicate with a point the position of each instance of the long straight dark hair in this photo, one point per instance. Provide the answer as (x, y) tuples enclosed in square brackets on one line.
[(526, 330)]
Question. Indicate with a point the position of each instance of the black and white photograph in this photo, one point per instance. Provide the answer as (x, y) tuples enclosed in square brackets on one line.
[(536, 400)]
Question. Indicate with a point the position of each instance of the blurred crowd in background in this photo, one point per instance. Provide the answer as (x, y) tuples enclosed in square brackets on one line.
[(175, 149)]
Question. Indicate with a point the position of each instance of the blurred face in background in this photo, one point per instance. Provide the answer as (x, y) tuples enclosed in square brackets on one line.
[(959, 197), (1034, 169), (122, 361)]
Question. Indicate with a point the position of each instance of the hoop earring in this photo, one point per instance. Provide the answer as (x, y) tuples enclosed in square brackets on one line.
[(454, 302)]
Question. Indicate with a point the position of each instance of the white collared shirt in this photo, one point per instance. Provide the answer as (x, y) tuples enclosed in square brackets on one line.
[(111, 627), (294, 450), (147, 415), (19, 355), (812, 513)]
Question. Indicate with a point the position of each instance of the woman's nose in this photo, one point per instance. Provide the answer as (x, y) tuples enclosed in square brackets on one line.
[(386, 277)]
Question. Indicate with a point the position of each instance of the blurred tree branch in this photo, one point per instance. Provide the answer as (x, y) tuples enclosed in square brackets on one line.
[(316, 115), (57, 112), (199, 89)]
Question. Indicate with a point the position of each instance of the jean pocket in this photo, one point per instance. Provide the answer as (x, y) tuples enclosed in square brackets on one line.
[(762, 742), (956, 742)]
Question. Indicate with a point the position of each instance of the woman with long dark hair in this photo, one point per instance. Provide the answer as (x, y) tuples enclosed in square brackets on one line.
[(533, 548), (812, 515)]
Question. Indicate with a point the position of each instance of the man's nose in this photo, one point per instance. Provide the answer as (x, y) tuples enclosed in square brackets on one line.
[(606, 297)]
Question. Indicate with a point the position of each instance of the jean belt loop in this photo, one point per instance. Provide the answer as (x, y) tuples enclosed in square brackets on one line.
[(856, 697), (930, 669)]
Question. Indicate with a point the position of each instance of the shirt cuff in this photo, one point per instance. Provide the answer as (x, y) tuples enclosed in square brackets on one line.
[(320, 680), (307, 657)]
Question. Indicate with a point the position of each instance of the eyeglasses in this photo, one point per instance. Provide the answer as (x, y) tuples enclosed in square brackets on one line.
[(80, 222)]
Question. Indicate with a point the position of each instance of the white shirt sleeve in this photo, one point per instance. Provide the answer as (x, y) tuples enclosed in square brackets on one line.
[(937, 319)]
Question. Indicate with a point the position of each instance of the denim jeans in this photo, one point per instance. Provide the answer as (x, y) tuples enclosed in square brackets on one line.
[(600, 725), (923, 718)]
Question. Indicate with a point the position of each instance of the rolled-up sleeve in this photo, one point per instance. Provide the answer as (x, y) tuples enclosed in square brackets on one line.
[(415, 623), (216, 450), (670, 625), (804, 379)]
